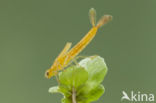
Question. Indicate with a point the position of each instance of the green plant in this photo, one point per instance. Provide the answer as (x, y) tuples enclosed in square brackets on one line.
[(82, 83)]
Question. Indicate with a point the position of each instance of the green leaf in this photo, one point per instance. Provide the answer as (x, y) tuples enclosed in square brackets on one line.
[(96, 69), (66, 100), (92, 95), (85, 79), (54, 89), (96, 93), (73, 77), (60, 89)]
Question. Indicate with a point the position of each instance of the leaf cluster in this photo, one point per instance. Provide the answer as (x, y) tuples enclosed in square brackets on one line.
[(83, 80)]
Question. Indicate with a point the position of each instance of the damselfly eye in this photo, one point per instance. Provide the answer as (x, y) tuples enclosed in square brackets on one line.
[(47, 73)]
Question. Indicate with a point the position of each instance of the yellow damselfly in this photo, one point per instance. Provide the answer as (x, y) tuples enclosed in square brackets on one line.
[(67, 54)]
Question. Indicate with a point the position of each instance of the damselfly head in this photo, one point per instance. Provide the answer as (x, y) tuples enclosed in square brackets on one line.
[(50, 73)]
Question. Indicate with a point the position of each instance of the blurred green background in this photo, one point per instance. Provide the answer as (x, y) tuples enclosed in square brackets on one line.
[(33, 32)]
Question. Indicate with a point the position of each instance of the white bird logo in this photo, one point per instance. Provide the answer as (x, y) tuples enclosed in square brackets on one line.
[(125, 96)]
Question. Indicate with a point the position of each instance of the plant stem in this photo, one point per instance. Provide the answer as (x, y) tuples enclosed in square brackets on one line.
[(73, 95)]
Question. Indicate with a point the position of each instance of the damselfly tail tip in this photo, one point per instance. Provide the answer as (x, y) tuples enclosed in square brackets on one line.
[(92, 9), (105, 19), (92, 16)]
